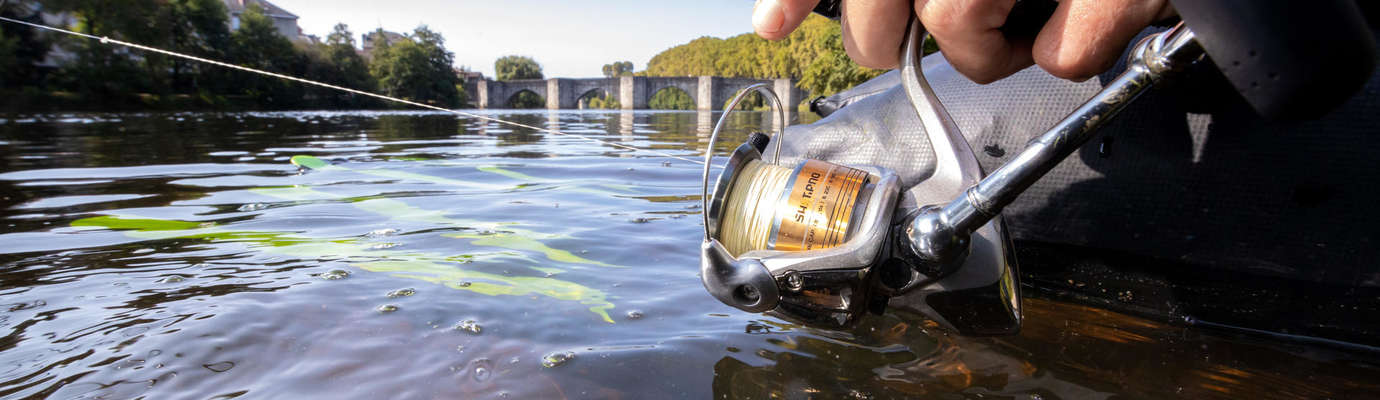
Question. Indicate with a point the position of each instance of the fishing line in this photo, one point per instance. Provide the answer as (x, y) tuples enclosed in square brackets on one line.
[(108, 40), (752, 206)]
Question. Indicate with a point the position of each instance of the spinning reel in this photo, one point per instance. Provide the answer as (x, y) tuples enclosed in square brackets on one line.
[(823, 244)]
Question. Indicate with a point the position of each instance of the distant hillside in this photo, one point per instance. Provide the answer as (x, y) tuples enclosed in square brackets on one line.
[(813, 54)]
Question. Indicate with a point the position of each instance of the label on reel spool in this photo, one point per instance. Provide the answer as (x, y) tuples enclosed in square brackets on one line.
[(814, 213)]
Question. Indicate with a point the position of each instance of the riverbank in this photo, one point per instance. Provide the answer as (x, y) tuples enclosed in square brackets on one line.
[(32, 100)]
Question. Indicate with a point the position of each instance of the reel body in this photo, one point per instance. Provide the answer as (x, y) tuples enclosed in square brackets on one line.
[(939, 250)]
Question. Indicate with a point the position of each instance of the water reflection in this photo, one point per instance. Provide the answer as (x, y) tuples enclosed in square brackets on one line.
[(625, 124), (1065, 351)]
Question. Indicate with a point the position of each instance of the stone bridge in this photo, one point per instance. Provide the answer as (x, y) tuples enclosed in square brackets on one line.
[(632, 92)]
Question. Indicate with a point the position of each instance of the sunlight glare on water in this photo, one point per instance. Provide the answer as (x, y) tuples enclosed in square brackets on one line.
[(429, 256)]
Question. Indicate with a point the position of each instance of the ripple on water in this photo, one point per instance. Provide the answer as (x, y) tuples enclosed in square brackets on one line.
[(335, 275), (557, 359), (469, 326)]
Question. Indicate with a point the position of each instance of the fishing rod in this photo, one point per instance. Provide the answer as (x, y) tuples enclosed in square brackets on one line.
[(108, 40)]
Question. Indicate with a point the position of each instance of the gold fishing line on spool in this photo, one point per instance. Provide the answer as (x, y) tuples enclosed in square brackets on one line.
[(808, 207), (752, 206)]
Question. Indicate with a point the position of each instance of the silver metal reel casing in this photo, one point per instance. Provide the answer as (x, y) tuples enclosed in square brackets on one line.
[(826, 287)]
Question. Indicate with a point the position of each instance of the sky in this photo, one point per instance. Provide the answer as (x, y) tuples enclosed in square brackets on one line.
[(570, 39)]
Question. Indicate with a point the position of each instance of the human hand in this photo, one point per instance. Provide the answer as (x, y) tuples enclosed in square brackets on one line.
[(1082, 38)]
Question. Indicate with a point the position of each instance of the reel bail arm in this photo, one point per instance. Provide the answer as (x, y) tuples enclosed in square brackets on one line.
[(938, 233)]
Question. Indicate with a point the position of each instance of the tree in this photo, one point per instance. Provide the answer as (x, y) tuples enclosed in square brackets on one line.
[(340, 64), (618, 68), (509, 68), (257, 44), (671, 99), (417, 69), (197, 27), (813, 53)]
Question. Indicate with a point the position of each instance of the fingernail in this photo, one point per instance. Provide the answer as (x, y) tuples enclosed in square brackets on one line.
[(767, 16)]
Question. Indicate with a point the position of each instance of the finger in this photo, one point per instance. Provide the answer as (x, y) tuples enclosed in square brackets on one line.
[(873, 30), (774, 19), (969, 32), (1085, 37)]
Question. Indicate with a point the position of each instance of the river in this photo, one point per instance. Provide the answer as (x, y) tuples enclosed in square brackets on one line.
[(184, 255)]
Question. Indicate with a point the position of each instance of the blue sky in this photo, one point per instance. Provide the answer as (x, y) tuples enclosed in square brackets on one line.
[(569, 38)]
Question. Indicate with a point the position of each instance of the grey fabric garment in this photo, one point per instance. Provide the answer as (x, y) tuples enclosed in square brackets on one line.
[(1186, 173)]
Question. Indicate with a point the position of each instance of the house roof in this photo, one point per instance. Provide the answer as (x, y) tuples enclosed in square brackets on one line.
[(237, 7)]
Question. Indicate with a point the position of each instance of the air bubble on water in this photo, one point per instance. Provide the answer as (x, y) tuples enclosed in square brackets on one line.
[(335, 275), (386, 308), (482, 370), (463, 284), (382, 232), (402, 293), (172, 279), (557, 359), (252, 207), (665, 163), (383, 246), (634, 314), (640, 220), (470, 326), (142, 251), (514, 360), (1036, 396)]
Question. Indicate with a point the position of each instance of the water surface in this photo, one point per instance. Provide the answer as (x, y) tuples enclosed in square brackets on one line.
[(186, 256)]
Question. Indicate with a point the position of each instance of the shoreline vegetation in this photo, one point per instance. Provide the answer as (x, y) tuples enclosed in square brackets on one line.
[(41, 71)]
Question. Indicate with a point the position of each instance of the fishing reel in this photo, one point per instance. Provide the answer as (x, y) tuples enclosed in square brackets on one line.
[(823, 244)]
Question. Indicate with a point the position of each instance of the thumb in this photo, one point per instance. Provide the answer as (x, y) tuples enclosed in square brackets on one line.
[(774, 19)]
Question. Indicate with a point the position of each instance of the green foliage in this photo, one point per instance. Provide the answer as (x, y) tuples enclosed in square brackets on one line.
[(257, 44), (619, 68), (813, 54), (417, 69), (339, 64), (753, 101), (508, 68), (602, 101), (671, 99), (526, 99)]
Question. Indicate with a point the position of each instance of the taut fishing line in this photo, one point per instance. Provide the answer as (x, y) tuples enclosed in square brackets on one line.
[(107, 40)]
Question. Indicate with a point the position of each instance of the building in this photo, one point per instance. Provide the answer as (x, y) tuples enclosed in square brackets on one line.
[(377, 38), (285, 21)]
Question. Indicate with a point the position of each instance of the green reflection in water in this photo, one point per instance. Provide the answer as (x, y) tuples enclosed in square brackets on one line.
[(494, 234), (428, 267)]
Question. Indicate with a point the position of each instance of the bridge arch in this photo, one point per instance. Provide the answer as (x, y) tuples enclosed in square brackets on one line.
[(525, 98), (671, 98), (583, 100)]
